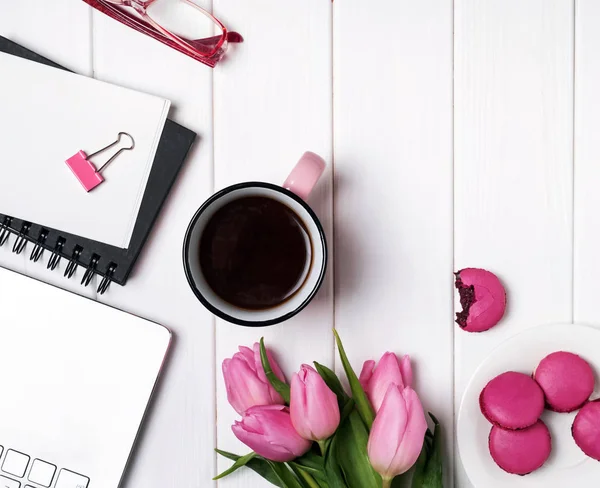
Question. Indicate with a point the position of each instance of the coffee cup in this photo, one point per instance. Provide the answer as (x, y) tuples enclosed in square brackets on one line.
[(255, 253)]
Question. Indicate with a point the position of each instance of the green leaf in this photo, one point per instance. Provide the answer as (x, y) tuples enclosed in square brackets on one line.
[(259, 465), (350, 450), (429, 465), (420, 467), (335, 476), (280, 387), (286, 476), (314, 465), (304, 476), (401, 481), (311, 460), (347, 409), (358, 394), (333, 382), (242, 461)]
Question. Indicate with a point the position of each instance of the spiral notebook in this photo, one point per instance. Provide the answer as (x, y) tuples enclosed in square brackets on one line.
[(113, 263)]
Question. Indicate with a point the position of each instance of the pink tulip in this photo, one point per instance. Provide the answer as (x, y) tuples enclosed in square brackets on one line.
[(397, 434), (269, 432), (246, 382), (376, 380), (313, 406)]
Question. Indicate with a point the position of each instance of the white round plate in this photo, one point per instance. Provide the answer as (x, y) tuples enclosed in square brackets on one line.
[(567, 465)]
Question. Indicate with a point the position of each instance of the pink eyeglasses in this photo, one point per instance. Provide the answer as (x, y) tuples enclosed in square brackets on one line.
[(180, 24)]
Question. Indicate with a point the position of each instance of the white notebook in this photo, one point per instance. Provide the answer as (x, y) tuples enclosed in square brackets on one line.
[(46, 116)]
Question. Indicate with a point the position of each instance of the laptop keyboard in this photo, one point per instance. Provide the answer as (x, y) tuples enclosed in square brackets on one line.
[(40, 474)]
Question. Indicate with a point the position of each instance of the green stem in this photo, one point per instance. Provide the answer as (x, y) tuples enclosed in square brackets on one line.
[(323, 447), (387, 483), (310, 481)]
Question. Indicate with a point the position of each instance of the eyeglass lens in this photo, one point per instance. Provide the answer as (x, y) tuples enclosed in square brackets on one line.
[(186, 20)]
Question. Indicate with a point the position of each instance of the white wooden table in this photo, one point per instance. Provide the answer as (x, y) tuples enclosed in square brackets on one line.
[(457, 134)]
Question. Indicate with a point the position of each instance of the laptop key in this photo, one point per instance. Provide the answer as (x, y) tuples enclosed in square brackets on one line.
[(8, 483), (42, 472), (15, 463), (69, 479)]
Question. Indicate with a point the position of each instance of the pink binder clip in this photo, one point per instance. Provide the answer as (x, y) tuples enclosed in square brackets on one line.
[(84, 169)]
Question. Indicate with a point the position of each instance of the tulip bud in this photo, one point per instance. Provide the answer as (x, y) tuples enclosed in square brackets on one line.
[(397, 434), (313, 406), (246, 382), (269, 432), (376, 380)]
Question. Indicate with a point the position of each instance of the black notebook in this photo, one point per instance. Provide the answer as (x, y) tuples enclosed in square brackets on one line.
[(110, 262)]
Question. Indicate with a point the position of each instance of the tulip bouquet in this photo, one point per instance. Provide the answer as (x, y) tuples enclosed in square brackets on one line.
[(312, 434)]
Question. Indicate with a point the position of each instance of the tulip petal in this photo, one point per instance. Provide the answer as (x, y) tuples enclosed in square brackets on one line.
[(268, 431), (323, 410), (274, 366), (414, 435), (244, 388), (388, 431), (314, 408), (366, 373), (406, 370), (247, 355), (298, 407), (386, 373)]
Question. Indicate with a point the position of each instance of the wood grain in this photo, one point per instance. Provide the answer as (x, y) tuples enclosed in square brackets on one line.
[(393, 188), (513, 163), (272, 103), (587, 169)]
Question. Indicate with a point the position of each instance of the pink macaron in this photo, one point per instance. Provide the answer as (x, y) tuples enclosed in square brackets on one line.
[(521, 451), (586, 430), (512, 401), (567, 381), (482, 297)]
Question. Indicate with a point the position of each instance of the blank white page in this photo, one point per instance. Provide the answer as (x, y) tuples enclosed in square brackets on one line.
[(46, 116)]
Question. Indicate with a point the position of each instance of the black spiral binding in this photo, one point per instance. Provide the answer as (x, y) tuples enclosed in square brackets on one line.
[(58, 252), (55, 258), (73, 264), (5, 230), (38, 250), (91, 270), (21, 241), (106, 281)]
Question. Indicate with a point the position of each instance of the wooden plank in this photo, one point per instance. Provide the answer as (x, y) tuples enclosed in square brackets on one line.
[(587, 170), (272, 103), (514, 163), (176, 449), (393, 182), (60, 31)]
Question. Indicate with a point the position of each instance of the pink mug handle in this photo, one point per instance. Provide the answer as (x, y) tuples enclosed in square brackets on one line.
[(305, 174)]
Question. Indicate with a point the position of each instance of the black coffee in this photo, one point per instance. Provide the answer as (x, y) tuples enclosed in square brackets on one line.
[(255, 252)]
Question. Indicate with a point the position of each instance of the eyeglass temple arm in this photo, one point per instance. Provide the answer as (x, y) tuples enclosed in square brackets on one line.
[(209, 41)]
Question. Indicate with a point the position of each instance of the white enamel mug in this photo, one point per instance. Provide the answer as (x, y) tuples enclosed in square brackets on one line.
[(293, 194)]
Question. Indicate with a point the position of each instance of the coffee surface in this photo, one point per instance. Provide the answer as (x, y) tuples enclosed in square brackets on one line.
[(255, 252)]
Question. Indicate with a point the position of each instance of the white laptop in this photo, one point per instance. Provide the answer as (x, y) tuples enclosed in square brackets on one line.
[(76, 377)]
